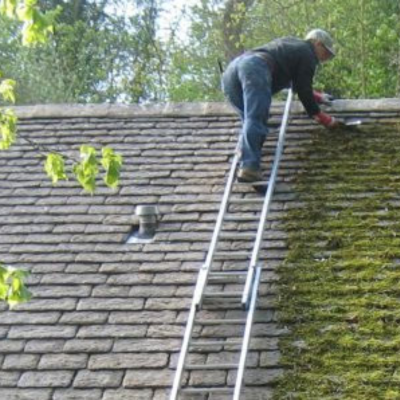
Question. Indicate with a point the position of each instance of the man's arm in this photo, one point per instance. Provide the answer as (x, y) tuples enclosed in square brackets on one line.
[(303, 86)]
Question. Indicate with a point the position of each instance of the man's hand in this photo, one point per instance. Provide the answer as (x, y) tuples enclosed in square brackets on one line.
[(327, 120), (323, 98)]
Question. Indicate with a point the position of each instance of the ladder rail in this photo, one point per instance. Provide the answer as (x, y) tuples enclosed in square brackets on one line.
[(184, 351), (205, 268), (203, 278), (267, 200), (250, 293), (247, 335)]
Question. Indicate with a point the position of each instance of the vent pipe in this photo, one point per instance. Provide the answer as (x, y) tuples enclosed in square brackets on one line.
[(147, 221)]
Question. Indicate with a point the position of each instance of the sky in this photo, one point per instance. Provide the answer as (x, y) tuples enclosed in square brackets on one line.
[(172, 11)]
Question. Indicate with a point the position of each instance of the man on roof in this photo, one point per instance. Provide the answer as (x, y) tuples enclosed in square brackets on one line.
[(251, 79)]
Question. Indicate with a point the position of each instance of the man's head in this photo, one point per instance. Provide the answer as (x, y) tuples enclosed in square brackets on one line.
[(323, 44)]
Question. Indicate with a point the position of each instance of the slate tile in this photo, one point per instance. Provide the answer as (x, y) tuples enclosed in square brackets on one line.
[(46, 379), (83, 318), (130, 279), (111, 331), (128, 394), (167, 304), (111, 291), (60, 293), (11, 346), (77, 394), (88, 346), (63, 361), (141, 317), (127, 361), (147, 345), (148, 378), (150, 291), (110, 304), (20, 361), (41, 332), (9, 378), (26, 394), (81, 279), (98, 379), (16, 318), (44, 346)]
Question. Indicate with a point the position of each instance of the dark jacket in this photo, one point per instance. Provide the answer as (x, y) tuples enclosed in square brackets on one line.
[(294, 61)]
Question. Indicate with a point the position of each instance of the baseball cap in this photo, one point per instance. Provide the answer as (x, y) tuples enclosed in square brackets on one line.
[(322, 36)]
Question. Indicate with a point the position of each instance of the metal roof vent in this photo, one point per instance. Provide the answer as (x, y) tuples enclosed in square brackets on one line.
[(144, 233)]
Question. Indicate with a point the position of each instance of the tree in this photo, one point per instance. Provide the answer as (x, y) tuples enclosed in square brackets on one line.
[(35, 29)]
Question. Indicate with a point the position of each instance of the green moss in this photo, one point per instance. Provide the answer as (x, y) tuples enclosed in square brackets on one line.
[(340, 284)]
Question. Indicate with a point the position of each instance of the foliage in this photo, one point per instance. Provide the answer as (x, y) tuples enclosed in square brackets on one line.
[(367, 36), (12, 287), (95, 55), (112, 163), (339, 290)]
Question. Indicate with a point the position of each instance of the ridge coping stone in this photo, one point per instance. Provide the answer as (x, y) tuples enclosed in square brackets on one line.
[(184, 109)]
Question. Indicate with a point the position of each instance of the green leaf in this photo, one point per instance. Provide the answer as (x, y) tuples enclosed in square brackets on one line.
[(55, 167), (8, 128), (112, 164), (8, 7), (12, 286), (87, 170), (7, 87)]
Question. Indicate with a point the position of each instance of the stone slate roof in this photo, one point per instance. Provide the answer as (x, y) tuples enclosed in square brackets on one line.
[(107, 318)]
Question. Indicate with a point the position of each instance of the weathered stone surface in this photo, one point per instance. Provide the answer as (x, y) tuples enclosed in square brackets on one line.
[(141, 317), (20, 361), (107, 318), (128, 394), (46, 379), (77, 394), (127, 360), (110, 304), (98, 379), (41, 332), (44, 346), (88, 346), (15, 318), (147, 345), (26, 394), (83, 318), (11, 346), (63, 361), (111, 331), (148, 378), (8, 378)]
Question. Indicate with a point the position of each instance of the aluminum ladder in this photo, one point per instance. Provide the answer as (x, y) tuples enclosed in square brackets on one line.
[(216, 306)]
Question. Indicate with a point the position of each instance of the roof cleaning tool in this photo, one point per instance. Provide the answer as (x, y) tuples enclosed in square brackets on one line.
[(220, 321), (352, 122)]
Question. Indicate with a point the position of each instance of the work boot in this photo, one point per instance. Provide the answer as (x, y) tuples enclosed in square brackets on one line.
[(248, 175)]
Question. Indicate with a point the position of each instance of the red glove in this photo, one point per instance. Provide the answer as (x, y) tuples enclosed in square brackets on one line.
[(322, 98), (325, 119)]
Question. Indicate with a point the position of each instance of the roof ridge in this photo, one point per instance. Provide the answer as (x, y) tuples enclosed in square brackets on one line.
[(184, 109)]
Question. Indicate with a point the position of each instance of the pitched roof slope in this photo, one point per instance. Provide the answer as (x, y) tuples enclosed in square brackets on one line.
[(107, 317)]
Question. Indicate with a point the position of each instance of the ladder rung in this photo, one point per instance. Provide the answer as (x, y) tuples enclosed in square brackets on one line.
[(196, 390), (223, 294), (228, 273), (238, 236), (221, 321), (200, 367), (232, 255), (242, 218), (247, 201), (216, 343), (256, 183)]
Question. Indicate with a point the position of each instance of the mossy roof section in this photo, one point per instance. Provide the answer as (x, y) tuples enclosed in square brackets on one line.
[(340, 281), (107, 318)]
